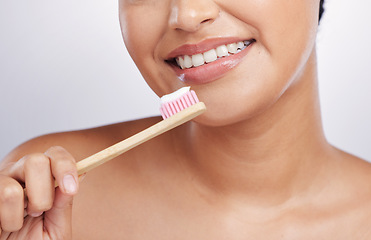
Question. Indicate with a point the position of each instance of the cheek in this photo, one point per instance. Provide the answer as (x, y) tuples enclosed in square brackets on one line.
[(282, 25), (285, 32), (291, 32), (286, 36), (137, 32), (142, 27)]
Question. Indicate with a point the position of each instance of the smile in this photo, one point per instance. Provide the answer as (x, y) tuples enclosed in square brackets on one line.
[(197, 60), (208, 60)]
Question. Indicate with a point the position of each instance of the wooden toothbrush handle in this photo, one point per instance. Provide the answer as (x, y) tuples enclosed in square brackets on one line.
[(113, 151)]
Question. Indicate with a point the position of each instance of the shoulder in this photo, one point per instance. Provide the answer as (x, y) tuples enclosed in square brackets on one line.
[(359, 207), (354, 189), (353, 176), (356, 170), (81, 143)]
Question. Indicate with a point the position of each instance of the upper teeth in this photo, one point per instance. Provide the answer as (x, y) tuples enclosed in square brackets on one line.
[(200, 59)]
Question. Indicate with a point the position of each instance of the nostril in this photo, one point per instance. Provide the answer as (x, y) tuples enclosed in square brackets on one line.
[(206, 20), (189, 15)]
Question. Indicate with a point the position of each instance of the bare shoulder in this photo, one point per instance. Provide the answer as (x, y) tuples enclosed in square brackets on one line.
[(81, 143), (357, 171), (354, 190)]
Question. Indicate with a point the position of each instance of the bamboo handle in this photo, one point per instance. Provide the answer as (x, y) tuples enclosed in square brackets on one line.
[(113, 151)]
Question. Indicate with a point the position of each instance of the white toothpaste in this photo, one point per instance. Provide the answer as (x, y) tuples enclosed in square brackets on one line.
[(174, 95)]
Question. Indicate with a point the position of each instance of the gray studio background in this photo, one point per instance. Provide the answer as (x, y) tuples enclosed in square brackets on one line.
[(63, 66)]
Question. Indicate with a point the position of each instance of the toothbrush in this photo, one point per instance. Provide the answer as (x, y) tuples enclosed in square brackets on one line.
[(176, 108)]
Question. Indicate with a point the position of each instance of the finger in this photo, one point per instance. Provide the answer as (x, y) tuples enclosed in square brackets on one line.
[(39, 183), (57, 221), (11, 204), (64, 170), (4, 235)]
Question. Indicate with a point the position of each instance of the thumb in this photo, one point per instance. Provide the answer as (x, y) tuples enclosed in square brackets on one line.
[(57, 221)]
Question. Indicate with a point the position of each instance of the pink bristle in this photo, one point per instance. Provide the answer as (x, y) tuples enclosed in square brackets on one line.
[(183, 102), (181, 107), (170, 108), (188, 102), (173, 110), (190, 97), (176, 106), (165, 108)]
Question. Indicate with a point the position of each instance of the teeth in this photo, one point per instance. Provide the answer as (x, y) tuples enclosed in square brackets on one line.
[(198, 60), (222, 51), (187, 61), (211, 55), (247, 43), (240, 45), (180, 62), (232, 48)]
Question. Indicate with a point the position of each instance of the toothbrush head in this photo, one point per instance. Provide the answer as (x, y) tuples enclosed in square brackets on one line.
[(177, 101)]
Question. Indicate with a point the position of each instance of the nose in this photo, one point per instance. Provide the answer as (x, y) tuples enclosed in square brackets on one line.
[(190, 15)]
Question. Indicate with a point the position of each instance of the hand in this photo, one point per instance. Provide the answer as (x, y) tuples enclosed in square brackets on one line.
[(45, 213)]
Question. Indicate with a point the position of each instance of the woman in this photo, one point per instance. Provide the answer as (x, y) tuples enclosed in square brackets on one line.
[(256, 165)]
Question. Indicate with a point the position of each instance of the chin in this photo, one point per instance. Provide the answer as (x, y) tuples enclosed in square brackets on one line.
[(237, 109), (217, 118)]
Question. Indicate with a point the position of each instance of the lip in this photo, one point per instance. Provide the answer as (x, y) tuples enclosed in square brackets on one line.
[(203, 46), (208, 72)]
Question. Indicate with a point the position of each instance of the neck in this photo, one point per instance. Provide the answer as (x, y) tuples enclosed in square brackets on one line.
[(266, 159)]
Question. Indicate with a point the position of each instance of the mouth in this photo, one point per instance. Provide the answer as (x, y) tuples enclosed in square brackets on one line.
[(209, 56)]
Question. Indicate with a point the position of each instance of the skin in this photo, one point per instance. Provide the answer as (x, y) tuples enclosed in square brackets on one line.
[(258, 170)]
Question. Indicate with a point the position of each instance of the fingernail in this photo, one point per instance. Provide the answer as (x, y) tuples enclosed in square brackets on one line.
[(69, 184), (38, 214)]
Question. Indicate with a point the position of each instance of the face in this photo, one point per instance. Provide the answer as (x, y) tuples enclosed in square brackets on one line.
[(239, 56)]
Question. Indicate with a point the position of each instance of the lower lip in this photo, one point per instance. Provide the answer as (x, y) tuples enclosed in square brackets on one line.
[(210, 72)]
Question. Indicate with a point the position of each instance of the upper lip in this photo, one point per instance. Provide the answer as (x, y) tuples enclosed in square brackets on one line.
[(203, 46)]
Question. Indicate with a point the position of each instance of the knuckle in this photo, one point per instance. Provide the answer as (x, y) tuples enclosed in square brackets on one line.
[(36, 160), (56, 150), (16, 228), (12, 227), (59, 154), (41, 206), (40, 203), (11, 192), (64, 164)]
